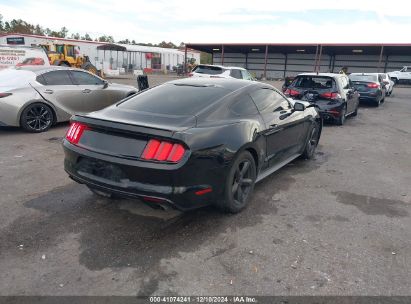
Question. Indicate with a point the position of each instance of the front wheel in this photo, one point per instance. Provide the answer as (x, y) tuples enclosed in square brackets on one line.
[(239, 184), (341, 119), (312, 142), (36, 117)]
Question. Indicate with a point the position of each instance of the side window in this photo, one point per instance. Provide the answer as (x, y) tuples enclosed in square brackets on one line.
[(70, 50), (246, 75), (57, 78), (236, 74), (282, 103), (268, 100), (244, 106), (83, 78), (40, 79)]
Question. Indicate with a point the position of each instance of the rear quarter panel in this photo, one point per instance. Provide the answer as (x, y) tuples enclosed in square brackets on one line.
[(11, 107)]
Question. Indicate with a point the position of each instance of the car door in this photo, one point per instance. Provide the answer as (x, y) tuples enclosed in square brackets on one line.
[(59, 89), (95, 94), (284, 131), (348, 92), (382, 85)]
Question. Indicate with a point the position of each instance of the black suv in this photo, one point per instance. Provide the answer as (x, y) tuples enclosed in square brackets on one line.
[(333, 94)]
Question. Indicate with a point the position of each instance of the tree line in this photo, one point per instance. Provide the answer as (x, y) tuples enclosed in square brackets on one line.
[(22, 27)]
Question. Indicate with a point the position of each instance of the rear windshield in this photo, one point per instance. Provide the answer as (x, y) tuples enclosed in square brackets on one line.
[(175, 99), (313, 82), (205, 69), (366, 78)]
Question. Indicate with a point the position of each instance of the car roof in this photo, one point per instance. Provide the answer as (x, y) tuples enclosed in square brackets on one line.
[(222, 66), (42, 69), (321, 74), (225, 83), (366, 74)]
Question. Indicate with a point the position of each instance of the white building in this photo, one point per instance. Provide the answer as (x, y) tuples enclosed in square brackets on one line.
[(112, 56)]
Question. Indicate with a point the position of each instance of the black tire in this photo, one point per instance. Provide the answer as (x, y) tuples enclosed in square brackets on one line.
[(101, 193), (239, 184), (312, 142), (341, 119), (377, 102), (37, 117), (63, 64), (395, 81)]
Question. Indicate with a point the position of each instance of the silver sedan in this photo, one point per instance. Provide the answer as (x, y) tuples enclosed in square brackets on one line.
[(35, 98)]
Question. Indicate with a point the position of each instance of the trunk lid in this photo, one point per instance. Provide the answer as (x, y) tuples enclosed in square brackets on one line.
[(174, 123), (125, 133), (361, 86)]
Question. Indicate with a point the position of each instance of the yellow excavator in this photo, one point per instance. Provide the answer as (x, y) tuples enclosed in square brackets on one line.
[(68, 55)]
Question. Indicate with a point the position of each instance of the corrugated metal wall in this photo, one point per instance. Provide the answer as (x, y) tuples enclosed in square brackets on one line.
[(281, 65)]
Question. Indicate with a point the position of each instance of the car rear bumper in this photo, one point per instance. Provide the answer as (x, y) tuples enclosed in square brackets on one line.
[(374, 95), (129, 178), (330, 112)]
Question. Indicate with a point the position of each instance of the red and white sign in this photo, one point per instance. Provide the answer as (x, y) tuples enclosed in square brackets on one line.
[(22, 56)]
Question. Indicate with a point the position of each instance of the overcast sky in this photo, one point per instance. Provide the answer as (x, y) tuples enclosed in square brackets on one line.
[(223, 20)]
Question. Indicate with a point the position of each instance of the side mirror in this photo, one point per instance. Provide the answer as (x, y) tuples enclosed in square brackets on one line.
[(299, 107), (105, 85)]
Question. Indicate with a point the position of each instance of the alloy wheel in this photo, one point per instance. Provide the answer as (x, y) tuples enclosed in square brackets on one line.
[(313, 141), (242, 182), (39, 118)]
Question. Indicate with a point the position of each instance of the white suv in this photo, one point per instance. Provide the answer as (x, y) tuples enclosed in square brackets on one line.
[(403, 74), (219, 71)]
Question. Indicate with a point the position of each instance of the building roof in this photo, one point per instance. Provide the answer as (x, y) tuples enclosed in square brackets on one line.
[(306, 48)]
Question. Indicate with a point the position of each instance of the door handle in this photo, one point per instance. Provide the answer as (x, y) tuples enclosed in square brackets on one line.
[(86, 91), (48, 91)]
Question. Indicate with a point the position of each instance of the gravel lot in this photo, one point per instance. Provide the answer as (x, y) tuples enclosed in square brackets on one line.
[(336, 225)]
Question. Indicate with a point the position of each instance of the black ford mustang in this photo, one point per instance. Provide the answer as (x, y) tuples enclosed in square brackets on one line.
[(190, 143)]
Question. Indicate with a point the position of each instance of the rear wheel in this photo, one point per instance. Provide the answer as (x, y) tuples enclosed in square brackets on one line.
[(37, 117), (341, 119), (377, 102), (239, 184)]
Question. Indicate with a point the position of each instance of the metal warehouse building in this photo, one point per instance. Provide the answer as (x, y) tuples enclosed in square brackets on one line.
[(275, 60), (115, 55)]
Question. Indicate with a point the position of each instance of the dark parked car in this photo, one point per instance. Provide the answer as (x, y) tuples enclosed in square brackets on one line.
[(333, 94), (370, 86), (190, 142)]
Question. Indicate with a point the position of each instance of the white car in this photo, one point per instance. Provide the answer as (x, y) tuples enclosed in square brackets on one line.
[(219, 71), (403, 74), (389, 84)]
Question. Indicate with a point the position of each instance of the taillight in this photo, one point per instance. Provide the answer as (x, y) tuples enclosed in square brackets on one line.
[(4, 95), (330, 95), (163, 151), (190, 74), (75, 131), (373, 85), (291, 93)]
